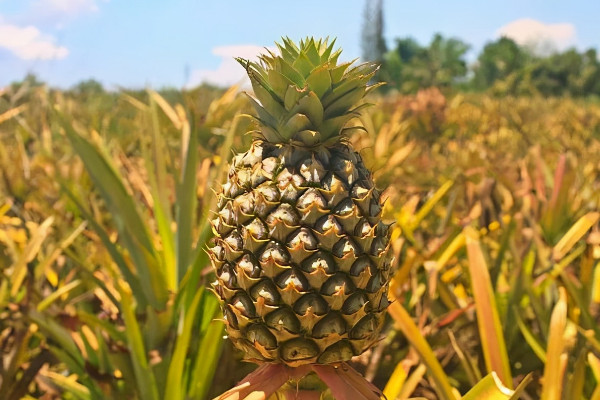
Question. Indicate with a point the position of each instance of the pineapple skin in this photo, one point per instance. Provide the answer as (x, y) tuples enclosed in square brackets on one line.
[(301, 255)]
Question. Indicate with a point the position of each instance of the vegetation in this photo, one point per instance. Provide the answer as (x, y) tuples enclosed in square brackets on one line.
[(104, 203), (501, 68)]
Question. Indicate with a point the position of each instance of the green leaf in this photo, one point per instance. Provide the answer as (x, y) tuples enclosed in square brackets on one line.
[(138, 291), (145, 380), (185, 206), (133, 232), (344, 103), (297, 123), (204, 366), (303, 65), (64, 289), (175, 389), (279, 83), (157, 174), (292, 95), (311, 106), (319, 80)]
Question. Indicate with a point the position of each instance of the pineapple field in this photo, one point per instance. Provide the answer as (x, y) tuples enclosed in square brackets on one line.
[(438, 245)]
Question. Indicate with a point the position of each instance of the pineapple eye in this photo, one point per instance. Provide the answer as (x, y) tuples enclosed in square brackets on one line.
[(227, 215), (227, 276), (332, 183), (319, 260), (260, 333), (337, 283), (364, 328), (234, 240), (359, 192), (269, 192), (250, 268), (276, 252), (285, 178), (284, 213), (257, 229), (378, 245), (218, 252), (328, 223), (244, 203), (312, 171), (298, 349), (331, 323), (265, 289), (269, 166), (302, 236), (339, 351), (312, 301), (291, 278), (343, 247), (252, 156), (375, 283), (360, 265), (283, 318), (311, 197), (354, 303), (363, 228), (243, 303), (345, 207)]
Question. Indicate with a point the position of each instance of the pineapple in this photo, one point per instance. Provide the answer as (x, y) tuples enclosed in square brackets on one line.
[(300, 252)]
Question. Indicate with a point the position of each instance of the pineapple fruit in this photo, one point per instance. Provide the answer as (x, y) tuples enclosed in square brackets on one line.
[(300, 252)]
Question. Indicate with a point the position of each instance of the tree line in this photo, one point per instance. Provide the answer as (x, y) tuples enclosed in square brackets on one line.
[(502, 67)]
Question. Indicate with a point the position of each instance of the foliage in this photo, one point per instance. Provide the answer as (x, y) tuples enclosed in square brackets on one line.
[(503, 68), (409, 66), (103, 201)]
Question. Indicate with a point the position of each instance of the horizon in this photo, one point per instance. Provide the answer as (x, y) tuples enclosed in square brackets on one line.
[(148, 44)]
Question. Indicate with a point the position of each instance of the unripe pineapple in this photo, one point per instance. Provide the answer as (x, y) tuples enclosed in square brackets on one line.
[(300, 253)]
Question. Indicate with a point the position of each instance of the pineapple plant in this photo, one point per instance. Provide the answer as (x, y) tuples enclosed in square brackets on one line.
[(300, 252)]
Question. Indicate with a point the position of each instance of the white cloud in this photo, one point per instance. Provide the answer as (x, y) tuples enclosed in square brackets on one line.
[(540, 36), (56, 14), (229, 72), (70, 7), (28, 43)]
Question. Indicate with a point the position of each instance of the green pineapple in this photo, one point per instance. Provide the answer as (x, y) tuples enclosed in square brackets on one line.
[(301, 254)]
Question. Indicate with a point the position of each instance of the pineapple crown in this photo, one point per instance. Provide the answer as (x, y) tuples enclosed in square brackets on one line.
[(303, 97)]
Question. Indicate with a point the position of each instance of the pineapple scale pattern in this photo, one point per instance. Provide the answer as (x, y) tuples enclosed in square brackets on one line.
[(301, 256)]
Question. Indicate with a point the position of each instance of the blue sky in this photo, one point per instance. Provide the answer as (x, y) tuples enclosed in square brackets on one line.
[(135, 43)]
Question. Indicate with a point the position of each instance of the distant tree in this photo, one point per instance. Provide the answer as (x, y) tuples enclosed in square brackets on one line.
[(497, 61), (589, 78), (373, 43), (88, 87), (411, 67), (446, 61), (393, 69)]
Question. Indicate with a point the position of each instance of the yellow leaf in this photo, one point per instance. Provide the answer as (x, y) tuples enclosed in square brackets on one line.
[(555, 356), (488, 320), (573, 235), (396, 382)]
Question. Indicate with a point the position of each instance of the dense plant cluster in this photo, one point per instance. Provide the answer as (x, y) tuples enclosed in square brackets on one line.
[(104, 208)]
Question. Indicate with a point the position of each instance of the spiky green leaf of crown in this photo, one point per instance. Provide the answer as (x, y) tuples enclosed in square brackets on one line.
[(303, 97)]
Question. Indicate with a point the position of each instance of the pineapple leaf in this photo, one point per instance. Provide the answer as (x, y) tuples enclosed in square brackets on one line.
[(319, 80), (311, 106), (295, 124), (303, 65), (292, 95)]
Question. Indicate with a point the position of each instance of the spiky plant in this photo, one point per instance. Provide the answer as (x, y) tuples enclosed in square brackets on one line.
[(300, 251)]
